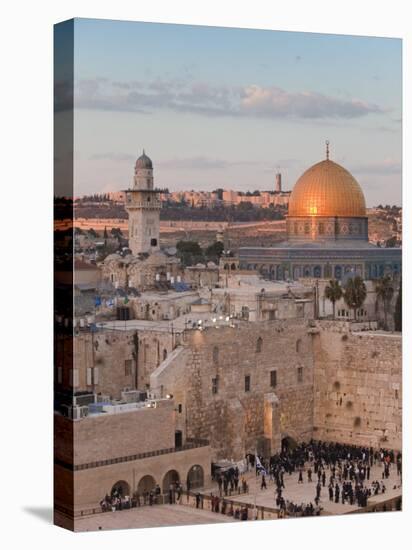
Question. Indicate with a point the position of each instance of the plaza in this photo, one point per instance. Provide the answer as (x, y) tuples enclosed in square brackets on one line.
[(305, 492)]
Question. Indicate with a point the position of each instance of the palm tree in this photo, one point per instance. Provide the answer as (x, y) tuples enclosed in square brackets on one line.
[(333, 293), (384, 292), (355, 293)]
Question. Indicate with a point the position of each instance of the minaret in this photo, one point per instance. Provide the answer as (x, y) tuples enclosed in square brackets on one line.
[(143, 207), (278, 183)]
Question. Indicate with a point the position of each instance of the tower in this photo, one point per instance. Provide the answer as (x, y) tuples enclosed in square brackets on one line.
[(143, 207), (278, 183)]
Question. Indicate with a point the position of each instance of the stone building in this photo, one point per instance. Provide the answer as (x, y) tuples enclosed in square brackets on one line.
[(133, 449), (147, 264), (327, 230), (258, 383), (143, 207)]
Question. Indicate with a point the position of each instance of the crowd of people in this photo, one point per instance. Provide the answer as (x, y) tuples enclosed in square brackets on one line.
[(118, 501), (231, 482), (344, 469), (338, 472), (222, 506)]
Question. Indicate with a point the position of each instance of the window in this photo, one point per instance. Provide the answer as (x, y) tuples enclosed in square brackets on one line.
[(273, 378), (128, 367), (300, 374), (215, 355), (164, 354), (215, 385), (259, 345), (96, 375), (247, 383), (179, 408), (298, 346), (153, 242)]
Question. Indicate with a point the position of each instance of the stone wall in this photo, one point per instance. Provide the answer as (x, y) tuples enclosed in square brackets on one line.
[(232, 418), (108, 436), (91, 485), (358, 391), (107, 361)]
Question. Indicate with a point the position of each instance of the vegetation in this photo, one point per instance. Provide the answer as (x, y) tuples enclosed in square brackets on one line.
[(355, 294), (333, 293), (191, 253), (384, 293)]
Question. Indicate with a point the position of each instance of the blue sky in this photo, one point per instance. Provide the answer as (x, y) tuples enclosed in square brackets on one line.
[(221, 107)]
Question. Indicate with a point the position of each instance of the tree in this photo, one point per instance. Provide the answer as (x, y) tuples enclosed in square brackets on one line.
[(355, 293), (189, 252), (398, 310), (92, 232), (333, 293), (214, 251), (391, 242), (384, 293)]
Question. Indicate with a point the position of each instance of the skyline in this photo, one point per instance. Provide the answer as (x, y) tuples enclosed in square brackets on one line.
[(225, 107)]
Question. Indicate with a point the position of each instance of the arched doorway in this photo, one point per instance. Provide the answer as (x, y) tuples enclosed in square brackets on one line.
[(146, 484), (170, 478), (120, 488), (288, 443), (195, 476)]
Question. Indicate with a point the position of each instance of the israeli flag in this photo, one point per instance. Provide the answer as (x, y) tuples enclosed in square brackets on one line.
[(259, 467)]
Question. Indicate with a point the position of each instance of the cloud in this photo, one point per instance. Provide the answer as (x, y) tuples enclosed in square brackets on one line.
[(275, 102), (385, 167), (204, 99), (201, 163)]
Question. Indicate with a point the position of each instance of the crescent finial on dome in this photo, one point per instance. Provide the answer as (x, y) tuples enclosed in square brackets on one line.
[(327, 149)]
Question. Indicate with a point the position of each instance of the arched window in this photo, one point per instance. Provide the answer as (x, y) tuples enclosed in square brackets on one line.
[(259, 345), (215, 355)]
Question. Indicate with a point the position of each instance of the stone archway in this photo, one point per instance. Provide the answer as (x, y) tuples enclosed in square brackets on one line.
[(146, 484), (121, 488), (170, 478), (195, 477)]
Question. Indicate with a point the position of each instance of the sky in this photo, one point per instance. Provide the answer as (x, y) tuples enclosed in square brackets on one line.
[(222, 107)]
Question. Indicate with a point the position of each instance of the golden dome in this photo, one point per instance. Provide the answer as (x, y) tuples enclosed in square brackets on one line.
[(327, 189)]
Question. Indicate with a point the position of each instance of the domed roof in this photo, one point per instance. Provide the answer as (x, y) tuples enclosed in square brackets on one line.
[(144, 162), (327, 189)]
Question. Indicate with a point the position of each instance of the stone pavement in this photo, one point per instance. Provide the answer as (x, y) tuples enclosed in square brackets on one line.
[(150, 516), (306, 492)]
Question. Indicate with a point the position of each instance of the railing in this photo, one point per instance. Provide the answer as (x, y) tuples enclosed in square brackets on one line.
[(191, 444), (188, 498)]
